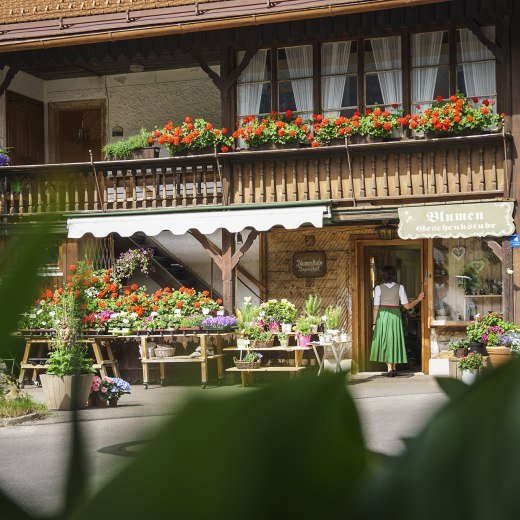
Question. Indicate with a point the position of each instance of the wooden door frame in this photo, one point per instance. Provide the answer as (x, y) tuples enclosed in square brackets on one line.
[(360, 243), (54, 110)]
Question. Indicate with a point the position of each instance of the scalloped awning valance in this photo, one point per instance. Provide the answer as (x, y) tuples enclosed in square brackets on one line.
[(206, 222)]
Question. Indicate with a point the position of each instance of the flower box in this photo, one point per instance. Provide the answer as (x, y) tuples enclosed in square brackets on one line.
[(152, 152), (247, 365)]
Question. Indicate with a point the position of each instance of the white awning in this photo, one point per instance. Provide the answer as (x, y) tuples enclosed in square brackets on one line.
[(206, 222)]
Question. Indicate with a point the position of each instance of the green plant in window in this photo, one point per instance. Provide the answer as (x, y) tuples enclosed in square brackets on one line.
[(468, 280), (123, 149)]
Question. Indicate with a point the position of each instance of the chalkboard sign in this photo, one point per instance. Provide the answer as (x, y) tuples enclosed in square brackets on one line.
[(309, 264)]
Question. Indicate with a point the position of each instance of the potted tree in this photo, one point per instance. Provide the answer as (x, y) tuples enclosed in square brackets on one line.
[(470, 367), (67, 383)]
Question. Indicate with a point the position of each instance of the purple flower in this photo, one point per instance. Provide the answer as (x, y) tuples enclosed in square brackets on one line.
[(4, 159), (219, 321)]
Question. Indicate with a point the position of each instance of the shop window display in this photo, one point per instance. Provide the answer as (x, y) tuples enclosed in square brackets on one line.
[(467, 278)]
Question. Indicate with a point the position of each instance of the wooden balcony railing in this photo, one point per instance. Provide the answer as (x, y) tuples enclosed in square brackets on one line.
[(375, 173)]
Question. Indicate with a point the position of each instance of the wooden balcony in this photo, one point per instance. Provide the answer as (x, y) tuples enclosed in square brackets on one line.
[(378, 174)]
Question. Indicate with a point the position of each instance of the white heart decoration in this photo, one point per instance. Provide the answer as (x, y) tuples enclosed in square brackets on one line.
[(478, 265), (458, 252)]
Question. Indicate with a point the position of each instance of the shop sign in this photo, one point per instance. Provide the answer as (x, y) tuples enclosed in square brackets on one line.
[(309, 264), (514, 241), (483, 219)]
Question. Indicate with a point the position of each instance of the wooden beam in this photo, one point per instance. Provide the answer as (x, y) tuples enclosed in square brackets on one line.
[(228, 271), (491, 46), (212, 250), (243, 271), (9, 76), (244, 248)]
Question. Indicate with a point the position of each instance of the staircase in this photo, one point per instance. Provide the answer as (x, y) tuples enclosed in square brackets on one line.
[(167, 270)]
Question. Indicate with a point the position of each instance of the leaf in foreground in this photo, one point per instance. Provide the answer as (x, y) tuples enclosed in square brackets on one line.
[(288, 451)]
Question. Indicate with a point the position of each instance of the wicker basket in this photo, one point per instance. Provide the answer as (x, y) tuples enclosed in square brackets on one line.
[(162, 352), (247, 365)]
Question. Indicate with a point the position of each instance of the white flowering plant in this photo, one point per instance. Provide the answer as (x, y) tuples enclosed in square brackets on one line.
[(278, 311), (124, 321)]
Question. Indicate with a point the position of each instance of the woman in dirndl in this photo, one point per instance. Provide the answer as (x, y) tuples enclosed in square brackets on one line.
[(388, 344)]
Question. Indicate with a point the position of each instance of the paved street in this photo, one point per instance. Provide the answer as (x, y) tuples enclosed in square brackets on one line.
[(34, 454)]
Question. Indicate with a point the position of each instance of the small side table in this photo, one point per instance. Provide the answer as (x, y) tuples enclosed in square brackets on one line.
[(337, 349)]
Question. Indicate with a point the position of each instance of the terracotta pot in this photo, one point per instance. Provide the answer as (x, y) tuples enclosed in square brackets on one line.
[(460, 352), (499, 355), (67, 392)]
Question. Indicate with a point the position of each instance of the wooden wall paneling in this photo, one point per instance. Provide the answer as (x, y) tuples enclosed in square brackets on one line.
[(427, 304)]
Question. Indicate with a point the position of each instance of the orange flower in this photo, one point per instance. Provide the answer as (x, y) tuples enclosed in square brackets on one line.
[(155, 308), (72, 268), (219, 301), (196, 305), (205, 293), (114, 295), (179, 304), (119, 303), (134, 287), (76, 294)]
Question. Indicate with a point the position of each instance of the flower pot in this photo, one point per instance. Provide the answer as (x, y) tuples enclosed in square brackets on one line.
[(263, 344), (199, 151), (477, 348), (353, 139), (374, 138), (286, 328), (66, 392), (469, 376), (334, 334), (284, 343), (97, 402), (113, 401), (499, 355), (314, 329), (303, 341), (152, 152), (276, 146)]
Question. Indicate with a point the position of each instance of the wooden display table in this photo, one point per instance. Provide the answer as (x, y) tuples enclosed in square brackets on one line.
[(202, 359), (338, 348), (246, 373), (35, 347)]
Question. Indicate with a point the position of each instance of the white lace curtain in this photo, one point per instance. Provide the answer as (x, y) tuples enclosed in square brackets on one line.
[(335, 58), (427, 55), (479, 76), (299, 63), (250, 86), (387, 55)]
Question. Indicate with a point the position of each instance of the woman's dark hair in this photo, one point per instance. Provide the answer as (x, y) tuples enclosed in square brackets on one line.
[(388, 274)]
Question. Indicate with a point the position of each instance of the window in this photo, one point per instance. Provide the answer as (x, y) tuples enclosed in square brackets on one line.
[(383, 79), (430, 69), (295, 73), (339, 78), (467, 279), (254, 85), (476, 65)]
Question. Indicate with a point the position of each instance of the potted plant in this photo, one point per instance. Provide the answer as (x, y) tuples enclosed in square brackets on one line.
[(313, 311), (497, 340), (251, 361), (455, 116), (258, 336), (193, 137), (67, 383), (283, 338), (132, 260), (459, 347), (5, 160), (279, 312), (303, 329), (139, 146), (245, 316), (273, 132), (332, 319), (470, 367), (223, 323), (468, 280), (107, 391)]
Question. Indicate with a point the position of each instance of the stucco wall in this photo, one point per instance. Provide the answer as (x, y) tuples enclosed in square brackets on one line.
[(145, 99)]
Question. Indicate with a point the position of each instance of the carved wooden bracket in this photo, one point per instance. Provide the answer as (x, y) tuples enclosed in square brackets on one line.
[(223, 83), (11, 73)]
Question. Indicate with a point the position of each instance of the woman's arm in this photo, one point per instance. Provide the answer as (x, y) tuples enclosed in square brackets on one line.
[(413, 303), (376, 310)]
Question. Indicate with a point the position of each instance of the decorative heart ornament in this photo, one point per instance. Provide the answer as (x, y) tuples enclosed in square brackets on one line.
[(478, 265), (458, 252)]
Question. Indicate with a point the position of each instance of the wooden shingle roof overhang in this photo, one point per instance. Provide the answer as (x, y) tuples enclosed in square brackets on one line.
[(182, 18)]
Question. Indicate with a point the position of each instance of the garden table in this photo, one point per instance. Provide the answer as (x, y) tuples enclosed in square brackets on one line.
[(203, 359), (97, 343), (338, 349)]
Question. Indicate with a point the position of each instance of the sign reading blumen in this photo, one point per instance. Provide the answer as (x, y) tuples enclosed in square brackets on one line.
[(309, 264)]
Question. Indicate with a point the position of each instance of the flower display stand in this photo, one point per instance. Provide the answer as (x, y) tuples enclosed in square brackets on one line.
[(36, 346), (203, 359)]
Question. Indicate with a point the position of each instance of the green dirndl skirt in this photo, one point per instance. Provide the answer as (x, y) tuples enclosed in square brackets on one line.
[(388, 342)]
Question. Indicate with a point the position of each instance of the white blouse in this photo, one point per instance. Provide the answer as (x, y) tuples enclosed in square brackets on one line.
[(402, 294)]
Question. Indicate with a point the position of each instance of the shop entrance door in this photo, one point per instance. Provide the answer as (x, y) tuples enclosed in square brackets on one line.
[(407, 258)]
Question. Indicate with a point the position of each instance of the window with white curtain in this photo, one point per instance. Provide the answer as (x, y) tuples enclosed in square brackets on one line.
[(254, 85), (430, 68), (295, 73), (476, 75), (339, 78), (383, 77)]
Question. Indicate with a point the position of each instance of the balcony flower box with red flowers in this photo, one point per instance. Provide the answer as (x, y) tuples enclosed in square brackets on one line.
[(457, 116), (193, 138), (273, 132)]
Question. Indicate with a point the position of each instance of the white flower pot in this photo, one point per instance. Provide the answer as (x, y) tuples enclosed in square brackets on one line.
[(205, 311), (469, 376), (314, 329), (286, 328), (243, 343)]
